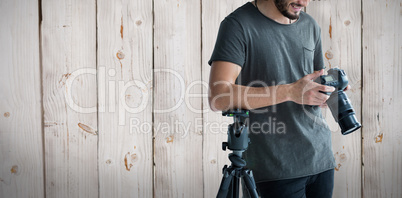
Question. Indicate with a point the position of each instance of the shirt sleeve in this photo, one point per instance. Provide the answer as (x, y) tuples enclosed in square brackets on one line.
[(230, 43), (318, 56)]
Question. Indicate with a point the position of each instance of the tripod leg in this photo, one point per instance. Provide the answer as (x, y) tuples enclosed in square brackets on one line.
[(228, 174), (235, 186), (250, 183)]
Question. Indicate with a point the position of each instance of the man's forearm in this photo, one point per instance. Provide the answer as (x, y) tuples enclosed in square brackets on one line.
[(244, 97), (225, 95)]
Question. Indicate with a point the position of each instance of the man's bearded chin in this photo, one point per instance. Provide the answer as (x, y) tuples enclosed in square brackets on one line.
[(282, 6), (290, 16)]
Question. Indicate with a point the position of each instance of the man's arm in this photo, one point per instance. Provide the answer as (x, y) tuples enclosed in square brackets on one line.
[(224, 94)]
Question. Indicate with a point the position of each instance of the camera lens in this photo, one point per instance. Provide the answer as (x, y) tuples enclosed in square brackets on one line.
[(349, 124), (343, 112)]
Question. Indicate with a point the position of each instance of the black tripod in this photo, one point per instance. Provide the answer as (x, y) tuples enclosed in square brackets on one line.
[(237, 142)]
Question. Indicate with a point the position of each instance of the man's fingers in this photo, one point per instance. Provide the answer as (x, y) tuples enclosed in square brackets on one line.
[(322, 98), (315, 75), (317, 102), (324, 105), (315, 98), (313, 101), (326, 88)]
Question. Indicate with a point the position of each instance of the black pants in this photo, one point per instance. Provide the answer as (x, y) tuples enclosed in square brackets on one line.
[(315, 186)]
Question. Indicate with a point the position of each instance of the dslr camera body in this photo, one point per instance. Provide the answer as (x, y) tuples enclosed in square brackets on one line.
[(338, 102)]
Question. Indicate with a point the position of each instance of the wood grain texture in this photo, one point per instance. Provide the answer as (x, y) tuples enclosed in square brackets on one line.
[(340, 23), (21, 148), (382, 92), (125, 98), (177, 120), (100, 60), (69, 97), (215, 126)]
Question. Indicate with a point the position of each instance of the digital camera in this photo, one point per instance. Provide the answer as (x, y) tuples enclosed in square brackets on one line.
[(338, 102)]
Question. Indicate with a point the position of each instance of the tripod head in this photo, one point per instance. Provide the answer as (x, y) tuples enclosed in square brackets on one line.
[(237, 132)]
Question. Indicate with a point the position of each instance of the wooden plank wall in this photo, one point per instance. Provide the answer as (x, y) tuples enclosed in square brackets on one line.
[(125, 98), (21, 144), (109, 98), (340, 23), (382, 92), (178, 140), (68, 41), (215, 126)]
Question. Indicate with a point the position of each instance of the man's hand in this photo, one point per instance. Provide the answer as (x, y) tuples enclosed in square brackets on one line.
[(325, 105), (306, 91)]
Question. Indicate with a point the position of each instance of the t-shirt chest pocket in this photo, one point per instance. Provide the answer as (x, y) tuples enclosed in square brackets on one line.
[(308, 55)]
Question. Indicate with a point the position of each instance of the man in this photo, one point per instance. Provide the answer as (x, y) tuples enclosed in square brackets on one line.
[(266, 56)]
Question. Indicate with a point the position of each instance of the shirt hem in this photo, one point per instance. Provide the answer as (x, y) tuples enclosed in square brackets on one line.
[(299, 176)]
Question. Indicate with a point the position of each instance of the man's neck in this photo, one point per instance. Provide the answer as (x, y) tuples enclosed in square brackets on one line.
[(269, 9)]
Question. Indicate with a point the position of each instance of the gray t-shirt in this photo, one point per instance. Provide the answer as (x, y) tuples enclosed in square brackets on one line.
[(288, 140)]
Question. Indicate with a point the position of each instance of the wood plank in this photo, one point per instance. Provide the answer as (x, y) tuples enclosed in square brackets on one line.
[(178, 140), (382, 131), (21, 148), (70, 98), (340, 23), (215, 126), (125, 98)]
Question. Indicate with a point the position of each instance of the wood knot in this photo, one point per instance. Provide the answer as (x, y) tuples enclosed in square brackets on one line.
[(126, 163), (129, 160), (169, 139), (121, 28), (347, 22), (338, 167), (139, 22), (343, 157), (329, 55), (7, 114), (120, 55), (87, 129), (64, 78), (14, 169), (134, 157), (378, 138)]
